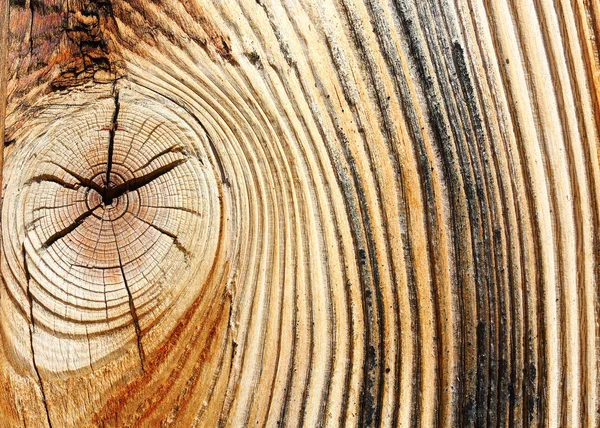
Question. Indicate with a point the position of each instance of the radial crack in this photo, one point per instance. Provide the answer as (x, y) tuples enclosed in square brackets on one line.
[(134, 317), (31, 328), (54, 207), (52, 179), (70, 228), (176, 242), (137, 182), (82, 180), (184, 209), (174, 149), (111, 141)]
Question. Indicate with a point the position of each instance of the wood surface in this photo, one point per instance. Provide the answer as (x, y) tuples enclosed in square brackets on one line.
[(300, 213)]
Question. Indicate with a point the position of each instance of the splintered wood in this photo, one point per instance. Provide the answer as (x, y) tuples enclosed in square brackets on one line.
[(297, 213)]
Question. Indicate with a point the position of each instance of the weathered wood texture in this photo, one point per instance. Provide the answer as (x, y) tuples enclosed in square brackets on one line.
[(301, 213), (4, 16)]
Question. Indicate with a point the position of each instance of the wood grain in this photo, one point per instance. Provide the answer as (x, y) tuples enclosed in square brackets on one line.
[(332, 213), (4, 17)]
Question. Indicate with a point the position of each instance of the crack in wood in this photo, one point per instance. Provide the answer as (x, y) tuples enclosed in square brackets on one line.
[(134, 317), (31, 329), (176, 242), (64, 232), (107, 193), (52, 179), (111, 147), (138, 182), (184, 209), (173, 149), (54, 207), (82, 180), (211, 143)]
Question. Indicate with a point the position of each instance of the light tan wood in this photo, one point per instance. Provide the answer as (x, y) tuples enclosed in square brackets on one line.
[(299, 213), (4, 17)]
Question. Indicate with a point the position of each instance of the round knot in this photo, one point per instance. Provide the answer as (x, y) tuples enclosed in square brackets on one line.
[(114, 212)]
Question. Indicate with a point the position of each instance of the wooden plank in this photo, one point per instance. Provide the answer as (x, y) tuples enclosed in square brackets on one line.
[(334, 213)]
